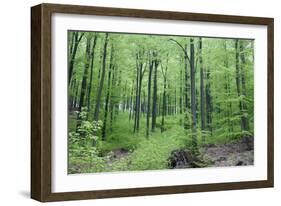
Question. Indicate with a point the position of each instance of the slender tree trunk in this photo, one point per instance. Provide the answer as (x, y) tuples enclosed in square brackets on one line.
[(85, 75), (100, 64), (164, 104), (237, 65), (76, 95), (112, 99), (154, 106), (148, 97), (202, 94), (140, 72), (164, 98), (91, 74), (193, 95), (175, 106), (99, 93), (227, 91), (208, 102), (84, 79), (124, 99), (131, 103), (71, 92), (140, 90), (137, 99), (186, 80), (77, 40), (71, 42), (118, 86), (181, 90), (111, 67), (143, 104), (187, 88), (168, 103), (245, 121)]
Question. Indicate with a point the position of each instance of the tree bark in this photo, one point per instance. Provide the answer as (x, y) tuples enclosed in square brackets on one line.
[(245, 122), (99, 93), (131, 103), (112, 99), (164, 73), (140, 73), (110, 69), (77, 40), (227, 91), (181, 80), (208, 101), (186, 80), (237, 68), (91, 74), (193, 95), (84, 79), (202, 94), (148, 96), (85, 74), (154, 106), (137, 96)]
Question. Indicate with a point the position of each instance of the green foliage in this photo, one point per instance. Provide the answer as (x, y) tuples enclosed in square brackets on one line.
[(81, 148), (122, 149)]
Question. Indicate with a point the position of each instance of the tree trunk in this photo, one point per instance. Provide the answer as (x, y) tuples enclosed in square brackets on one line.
[(99, 93), (131, 103), (164, 104), (193, 95), (245, 122), (84, 79), (91, 74), (186, 80), (202, 94), (148, 97), (124, 99), (112, 99), (181, 90), (154, 106), (227, 91), (208, 102), (140, 73), (71, 94), (77, 40), (85, 75), (175, 105), (111, 67), (137, 98), (76, 95), (237, 66)]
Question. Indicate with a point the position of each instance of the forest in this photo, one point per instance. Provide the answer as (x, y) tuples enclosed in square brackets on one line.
[(147, 102)]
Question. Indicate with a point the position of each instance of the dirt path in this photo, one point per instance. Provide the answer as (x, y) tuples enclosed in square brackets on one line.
[(117, 155), (235, 153)]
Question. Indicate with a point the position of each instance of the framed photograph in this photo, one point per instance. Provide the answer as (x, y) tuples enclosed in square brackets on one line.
[(130, 102)]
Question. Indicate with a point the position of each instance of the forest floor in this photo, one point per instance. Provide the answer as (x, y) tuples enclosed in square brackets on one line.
[(125, 151), (235, 153)]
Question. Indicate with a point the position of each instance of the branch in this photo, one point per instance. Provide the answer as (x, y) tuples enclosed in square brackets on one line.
[(81, 36), (179, 45), (144, 68), (183, 49)]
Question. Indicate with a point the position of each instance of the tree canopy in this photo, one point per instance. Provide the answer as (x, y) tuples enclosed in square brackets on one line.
[(135, 92)]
